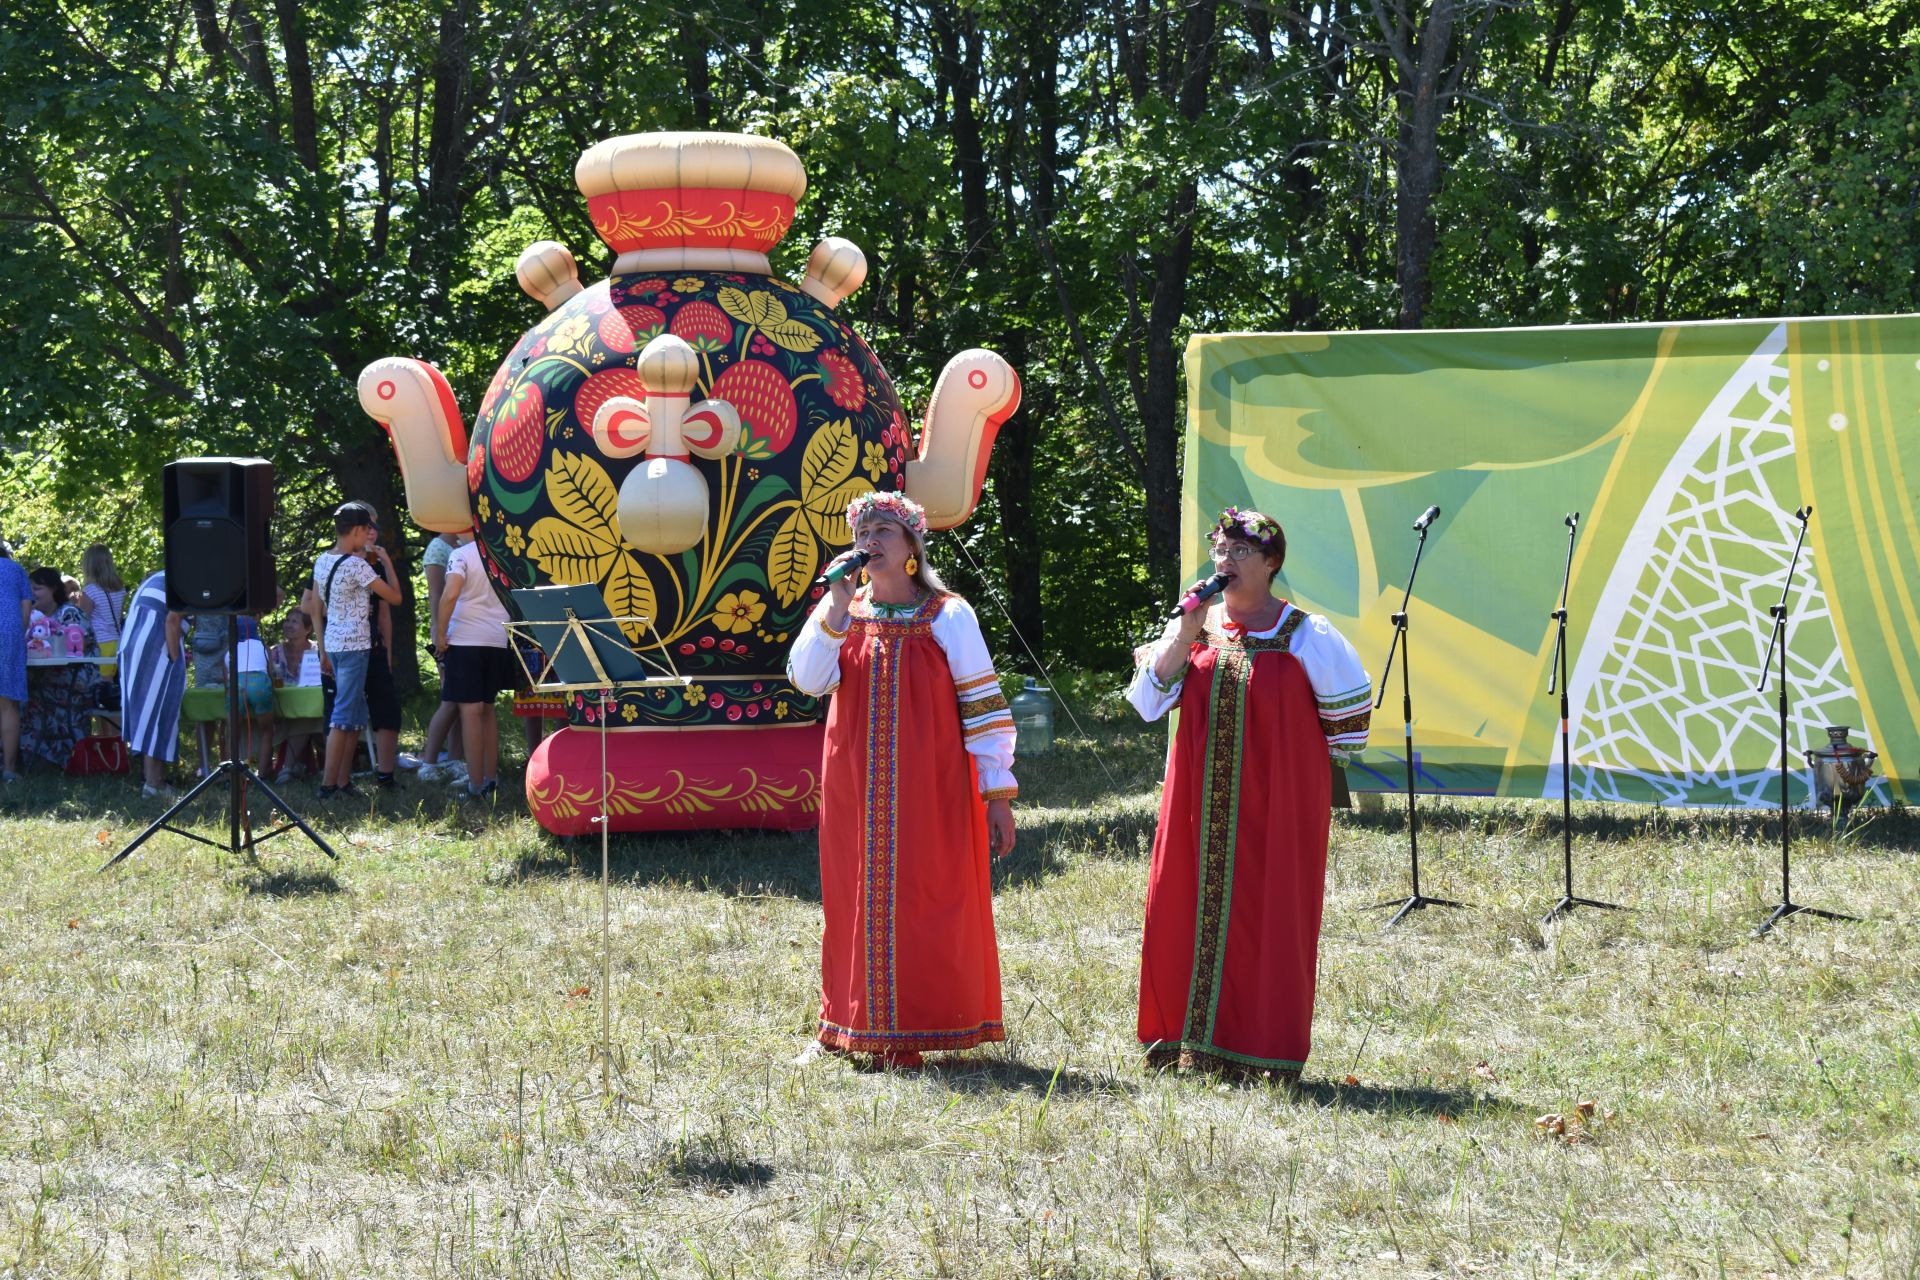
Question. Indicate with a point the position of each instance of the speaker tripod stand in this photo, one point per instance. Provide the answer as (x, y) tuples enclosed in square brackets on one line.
[(238, 776)]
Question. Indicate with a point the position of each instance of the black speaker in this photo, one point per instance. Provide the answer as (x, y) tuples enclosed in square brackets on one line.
[(215, 518)]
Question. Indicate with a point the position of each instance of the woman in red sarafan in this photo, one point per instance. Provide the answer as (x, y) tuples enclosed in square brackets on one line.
[(1266, 692), (916, 796)]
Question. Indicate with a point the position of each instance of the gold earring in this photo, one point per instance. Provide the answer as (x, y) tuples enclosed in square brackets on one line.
[(912, 566), (863, 577)]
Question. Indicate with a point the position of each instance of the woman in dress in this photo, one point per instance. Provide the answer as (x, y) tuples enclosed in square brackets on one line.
[(104, 600), (16, 606), (916, 792), (59, 697), (1266, 694), (153, 676)]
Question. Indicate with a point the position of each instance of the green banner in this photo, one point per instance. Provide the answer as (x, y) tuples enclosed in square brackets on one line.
[(1686, 450)]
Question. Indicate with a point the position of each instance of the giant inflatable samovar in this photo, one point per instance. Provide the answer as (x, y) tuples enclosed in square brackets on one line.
[(686, 435)]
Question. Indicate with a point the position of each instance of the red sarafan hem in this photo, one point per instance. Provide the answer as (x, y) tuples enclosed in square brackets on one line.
[(851, 1041)]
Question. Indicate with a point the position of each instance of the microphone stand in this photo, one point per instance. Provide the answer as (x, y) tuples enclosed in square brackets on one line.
[(1557, 673), (1415, 900), (1786, 906)]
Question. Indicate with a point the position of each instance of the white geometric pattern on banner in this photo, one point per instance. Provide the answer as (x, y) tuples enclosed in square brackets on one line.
[(1662, 694)]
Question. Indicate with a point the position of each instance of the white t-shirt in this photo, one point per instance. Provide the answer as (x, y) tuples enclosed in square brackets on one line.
[(349, 606), (108, 611), (478, 616), (252, 656)]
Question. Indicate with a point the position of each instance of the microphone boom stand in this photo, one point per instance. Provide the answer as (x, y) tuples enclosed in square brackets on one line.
[(1557, 673), (1786, 906), (1415, 900)]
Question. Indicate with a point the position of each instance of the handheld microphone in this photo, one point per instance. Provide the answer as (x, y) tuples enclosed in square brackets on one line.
[(1198, 596), (835, 572), (1427, 517)]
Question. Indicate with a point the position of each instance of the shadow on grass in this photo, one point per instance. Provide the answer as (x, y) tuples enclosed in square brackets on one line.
[(988, 1074), (742, 864), (1390, 1100), (1890, 830), (292, 884), (715, 1165)]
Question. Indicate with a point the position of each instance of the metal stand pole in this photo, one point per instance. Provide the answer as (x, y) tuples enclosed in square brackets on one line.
[(1786, 906), (1558, 675), (237, 774), (1415, 900)]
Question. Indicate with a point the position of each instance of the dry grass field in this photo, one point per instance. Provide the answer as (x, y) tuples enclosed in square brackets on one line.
[(386, 1068)]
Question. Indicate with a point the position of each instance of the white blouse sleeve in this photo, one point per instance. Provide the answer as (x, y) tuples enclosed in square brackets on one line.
[(1342, 689), (1148, 696), (813, 663), (986, 722)]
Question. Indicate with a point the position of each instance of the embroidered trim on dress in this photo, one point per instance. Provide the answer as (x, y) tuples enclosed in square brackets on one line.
[(860, 1040), (1219, 821)]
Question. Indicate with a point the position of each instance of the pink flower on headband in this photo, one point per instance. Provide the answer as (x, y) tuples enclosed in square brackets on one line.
[(890, 504), (1250, 526)]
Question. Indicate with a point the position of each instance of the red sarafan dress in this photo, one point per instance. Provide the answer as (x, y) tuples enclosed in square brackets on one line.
[(1234, 895), (918, 738)]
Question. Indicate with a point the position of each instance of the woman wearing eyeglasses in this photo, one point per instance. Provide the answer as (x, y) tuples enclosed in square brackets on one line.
[(1266, 692)]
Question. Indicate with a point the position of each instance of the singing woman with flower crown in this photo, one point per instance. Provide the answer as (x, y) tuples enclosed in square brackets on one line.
[(916, 787), (1266, 693)]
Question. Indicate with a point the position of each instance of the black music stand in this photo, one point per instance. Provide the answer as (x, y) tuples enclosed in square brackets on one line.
[(237, 774), (1557, 673), (1415, 900), (584, 649), (1786, 906)]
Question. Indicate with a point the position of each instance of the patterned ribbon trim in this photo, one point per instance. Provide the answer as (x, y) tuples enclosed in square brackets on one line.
[(1220, 817), (878, 853)]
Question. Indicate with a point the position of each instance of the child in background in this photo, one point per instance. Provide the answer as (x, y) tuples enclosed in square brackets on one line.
[(103, 598), (255, 690)]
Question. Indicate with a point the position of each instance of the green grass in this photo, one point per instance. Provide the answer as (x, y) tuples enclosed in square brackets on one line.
[(209, 1067)]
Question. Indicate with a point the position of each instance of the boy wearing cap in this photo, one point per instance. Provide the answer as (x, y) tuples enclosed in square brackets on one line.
[(342, 579)]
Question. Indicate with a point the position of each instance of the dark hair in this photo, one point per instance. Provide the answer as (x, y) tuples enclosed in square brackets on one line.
[(1256, 528), (349, 516), (301, 614), (49, 577)]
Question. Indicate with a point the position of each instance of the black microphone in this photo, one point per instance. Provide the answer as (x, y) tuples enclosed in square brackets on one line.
[(1427, 517), (835, 572), (1199, 595)]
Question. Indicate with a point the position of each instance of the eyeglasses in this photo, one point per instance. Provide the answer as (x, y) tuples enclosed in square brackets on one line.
[(1235, 554)]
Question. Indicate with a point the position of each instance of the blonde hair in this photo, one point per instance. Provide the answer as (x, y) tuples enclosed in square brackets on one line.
[(97, 566)]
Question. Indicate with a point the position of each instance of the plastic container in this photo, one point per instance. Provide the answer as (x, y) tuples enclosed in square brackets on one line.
[(1032, 709)]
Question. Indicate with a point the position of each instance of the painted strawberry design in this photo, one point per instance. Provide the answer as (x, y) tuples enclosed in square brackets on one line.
[(519, 433), (631, 328), (764, 398)]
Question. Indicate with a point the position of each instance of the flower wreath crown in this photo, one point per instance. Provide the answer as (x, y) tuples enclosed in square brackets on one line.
[(890, 503), (1262, 530)]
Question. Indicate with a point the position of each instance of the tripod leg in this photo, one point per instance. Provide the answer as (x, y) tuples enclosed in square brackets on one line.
[(160, 822), (295, 818)]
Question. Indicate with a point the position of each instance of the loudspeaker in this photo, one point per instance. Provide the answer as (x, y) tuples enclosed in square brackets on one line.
[(215, 518)]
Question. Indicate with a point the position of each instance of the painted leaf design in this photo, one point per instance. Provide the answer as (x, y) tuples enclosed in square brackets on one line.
[(792, 559), (828, 481), (794, 335), (568, 554), (629, 593), (582, 494), (758, 308)]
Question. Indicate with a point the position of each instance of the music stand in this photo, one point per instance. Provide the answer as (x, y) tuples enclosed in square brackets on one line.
[(584, 648)]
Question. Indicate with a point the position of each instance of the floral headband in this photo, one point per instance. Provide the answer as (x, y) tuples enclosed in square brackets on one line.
[(889, 504), (1262, 530)]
